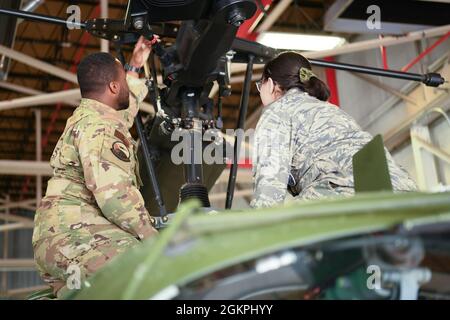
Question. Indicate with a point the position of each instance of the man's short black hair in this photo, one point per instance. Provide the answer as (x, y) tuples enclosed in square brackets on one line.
[(95, 72)]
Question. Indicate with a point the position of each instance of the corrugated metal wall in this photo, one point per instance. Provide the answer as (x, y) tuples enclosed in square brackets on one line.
[(19, 247)]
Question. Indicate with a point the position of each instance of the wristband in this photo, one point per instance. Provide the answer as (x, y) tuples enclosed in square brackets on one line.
[(131, 68)]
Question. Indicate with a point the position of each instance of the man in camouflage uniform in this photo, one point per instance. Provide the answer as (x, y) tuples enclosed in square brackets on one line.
[(306, 146), (93, 210)]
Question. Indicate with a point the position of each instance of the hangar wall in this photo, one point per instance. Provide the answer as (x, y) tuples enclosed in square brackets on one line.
[(360, 99)]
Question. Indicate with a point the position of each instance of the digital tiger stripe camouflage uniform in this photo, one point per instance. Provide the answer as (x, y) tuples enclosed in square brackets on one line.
[(308, 144)]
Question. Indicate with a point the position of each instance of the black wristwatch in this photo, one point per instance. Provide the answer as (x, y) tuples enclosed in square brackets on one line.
[(131, 68)]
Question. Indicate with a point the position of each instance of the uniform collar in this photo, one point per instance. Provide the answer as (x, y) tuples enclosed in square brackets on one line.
[(284, 98), (102, 109)]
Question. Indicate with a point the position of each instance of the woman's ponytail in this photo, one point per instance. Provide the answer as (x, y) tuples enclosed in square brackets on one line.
[(316, 88), (292, 70)]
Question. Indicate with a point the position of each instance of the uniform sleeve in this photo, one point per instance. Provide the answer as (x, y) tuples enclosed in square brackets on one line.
[(271, 160), (107, 172), (138, 92)]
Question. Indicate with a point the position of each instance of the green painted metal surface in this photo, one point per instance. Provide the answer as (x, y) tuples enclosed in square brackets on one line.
[(370, 168), (195, 244)]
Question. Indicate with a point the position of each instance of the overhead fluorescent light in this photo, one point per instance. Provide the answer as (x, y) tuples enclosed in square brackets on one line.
[(296, 41)]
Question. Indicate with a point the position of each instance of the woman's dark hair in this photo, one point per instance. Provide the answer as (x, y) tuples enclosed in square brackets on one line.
[(285, 71)]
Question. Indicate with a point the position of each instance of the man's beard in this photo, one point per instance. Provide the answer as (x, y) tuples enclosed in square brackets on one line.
[(124, 99)]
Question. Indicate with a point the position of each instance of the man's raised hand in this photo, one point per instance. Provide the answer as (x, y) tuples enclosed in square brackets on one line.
[(142, 51)]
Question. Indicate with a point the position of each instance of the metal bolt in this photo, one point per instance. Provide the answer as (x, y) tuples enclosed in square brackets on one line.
[(318, 255), (236, 18), (138, 23)]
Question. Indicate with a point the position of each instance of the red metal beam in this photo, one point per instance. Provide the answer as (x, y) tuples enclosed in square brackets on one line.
[(330, 74), (246, 29), (426, 52), (384, 55), (245, 164)]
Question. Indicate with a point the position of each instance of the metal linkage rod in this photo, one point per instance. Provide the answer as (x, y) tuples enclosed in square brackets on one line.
[(40, 17), (430, 79), (263, 54), (241, 124), (149, 166)]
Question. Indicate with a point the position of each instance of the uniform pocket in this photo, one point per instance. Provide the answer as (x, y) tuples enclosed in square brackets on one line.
[(72, 250), (75, 227), (46, 220), (68, 155), (70, 217)]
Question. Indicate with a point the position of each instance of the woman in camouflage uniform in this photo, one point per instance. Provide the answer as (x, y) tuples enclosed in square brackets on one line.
[(304, 144)]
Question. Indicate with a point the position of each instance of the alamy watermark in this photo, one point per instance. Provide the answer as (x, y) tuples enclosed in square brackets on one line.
[(374, 20), (74, 17), (214, 147), (374, 280)]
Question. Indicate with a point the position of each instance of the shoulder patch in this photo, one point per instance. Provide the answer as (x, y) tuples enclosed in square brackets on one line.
[(119, 135), (120, 150)]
